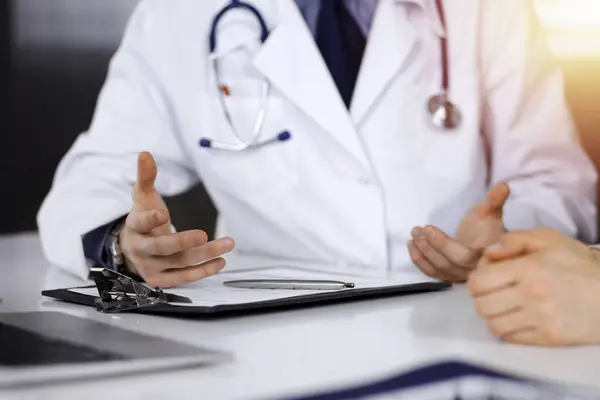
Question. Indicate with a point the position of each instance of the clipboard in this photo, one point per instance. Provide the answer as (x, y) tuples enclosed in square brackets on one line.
[(116, 293)]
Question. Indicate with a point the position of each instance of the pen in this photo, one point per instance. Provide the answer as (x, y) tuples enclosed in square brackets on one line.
[(292, 284)]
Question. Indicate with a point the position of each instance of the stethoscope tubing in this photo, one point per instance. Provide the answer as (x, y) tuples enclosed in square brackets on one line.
[(445, 114)]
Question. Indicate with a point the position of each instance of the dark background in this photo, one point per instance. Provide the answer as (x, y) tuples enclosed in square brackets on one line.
[(51, 70), (53, 60)]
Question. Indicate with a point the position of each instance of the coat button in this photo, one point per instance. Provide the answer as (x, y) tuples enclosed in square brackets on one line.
[(363, 180)]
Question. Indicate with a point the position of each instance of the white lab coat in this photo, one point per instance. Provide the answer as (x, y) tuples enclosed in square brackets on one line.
[(349, 187)]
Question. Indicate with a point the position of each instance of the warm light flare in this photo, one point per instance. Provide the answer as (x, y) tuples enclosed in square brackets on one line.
[(573, 26), (570, 13)]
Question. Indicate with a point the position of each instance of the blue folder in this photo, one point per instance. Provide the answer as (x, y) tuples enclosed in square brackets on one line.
[(456, 380)]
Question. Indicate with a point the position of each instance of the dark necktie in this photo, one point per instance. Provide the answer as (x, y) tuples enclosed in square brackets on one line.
[(342, 45)]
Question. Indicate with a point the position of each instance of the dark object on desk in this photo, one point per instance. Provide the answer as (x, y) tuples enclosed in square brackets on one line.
[(119, 292), (28, 348), (42, 347), (154, 301), (455, 380)]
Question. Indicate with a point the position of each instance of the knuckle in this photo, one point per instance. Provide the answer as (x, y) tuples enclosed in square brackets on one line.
[(548, 310), (481, 309), (428, 272), (198, 238), (417, 257), (187, 276), (551, 336), (154, 245), (145, 269), (534, 266), (181, 240), (424, 246), (465, 259), (134, 248), (445, 266), (540, 288), (495, 327), (212, 252), (149, 218), (473, 284)]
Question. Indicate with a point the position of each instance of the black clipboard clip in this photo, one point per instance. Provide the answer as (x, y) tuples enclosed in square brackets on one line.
[(120, 292)]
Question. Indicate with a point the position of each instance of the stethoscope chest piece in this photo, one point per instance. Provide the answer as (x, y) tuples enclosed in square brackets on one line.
[(444, 113)]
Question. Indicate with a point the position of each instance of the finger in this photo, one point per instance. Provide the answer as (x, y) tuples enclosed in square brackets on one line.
[(146, 221), (510, 323), (439, 261), (484, 281), (146, 173), (201, 254), (528, 336), (455, 252), (182, 276), (496, 199), (514, 244), (498, 195), (172, 243), (503, 301), (417, 257)]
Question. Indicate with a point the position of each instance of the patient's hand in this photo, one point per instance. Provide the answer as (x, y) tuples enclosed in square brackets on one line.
[(539, 288)]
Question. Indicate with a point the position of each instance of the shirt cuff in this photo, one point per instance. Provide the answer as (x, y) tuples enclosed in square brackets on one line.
[(94, 245)]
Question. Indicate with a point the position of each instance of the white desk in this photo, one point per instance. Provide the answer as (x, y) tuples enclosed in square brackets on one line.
[(291, 352)]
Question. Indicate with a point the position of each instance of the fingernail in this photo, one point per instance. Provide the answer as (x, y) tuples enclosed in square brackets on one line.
[(227, 243), (421, 234), (430, 232), (493, 247)]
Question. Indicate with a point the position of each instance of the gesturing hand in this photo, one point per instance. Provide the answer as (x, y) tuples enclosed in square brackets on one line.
[(163, 258), (444, 258), (539, 288)]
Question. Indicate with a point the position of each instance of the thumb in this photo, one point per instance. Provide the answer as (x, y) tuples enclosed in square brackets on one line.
[(146, 173), (496, 199), (514, 244)]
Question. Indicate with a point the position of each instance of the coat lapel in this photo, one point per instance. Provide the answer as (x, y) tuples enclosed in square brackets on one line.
[(292, 62), (391, 43)]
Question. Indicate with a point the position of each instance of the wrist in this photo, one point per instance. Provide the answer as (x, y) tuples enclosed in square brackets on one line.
[(595, 252), (127, 266), (116, 257)]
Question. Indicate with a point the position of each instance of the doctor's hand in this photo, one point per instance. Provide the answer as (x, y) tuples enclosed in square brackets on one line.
[(539, 288), (156, 254), (442, 257)]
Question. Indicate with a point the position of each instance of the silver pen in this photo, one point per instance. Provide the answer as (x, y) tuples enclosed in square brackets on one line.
[(293, 284)]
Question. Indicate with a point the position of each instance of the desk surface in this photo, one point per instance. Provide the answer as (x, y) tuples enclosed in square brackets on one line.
[(287, 353)]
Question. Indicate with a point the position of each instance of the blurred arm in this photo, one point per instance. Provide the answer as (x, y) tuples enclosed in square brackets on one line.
[(534, 146), (94, 181)]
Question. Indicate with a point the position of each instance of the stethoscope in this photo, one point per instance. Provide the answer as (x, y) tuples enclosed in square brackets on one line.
[(444, 113)]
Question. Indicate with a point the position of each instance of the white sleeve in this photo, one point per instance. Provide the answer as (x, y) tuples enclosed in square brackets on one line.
[(534, 146), (94, 181)]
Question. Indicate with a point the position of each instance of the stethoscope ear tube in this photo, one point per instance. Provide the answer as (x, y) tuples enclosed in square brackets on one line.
[(264, 31)]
